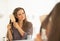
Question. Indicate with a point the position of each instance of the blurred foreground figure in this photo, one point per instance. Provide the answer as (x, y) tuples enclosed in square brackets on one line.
[(50, 27)]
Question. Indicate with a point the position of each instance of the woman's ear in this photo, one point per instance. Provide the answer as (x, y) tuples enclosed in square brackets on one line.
[(42, 18)]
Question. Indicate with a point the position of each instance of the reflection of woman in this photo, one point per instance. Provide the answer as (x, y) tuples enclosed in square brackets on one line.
[(19, 28), (50, 28)]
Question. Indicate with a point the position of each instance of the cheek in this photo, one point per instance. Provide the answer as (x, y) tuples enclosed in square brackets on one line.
[(18, 17), (21, 17)]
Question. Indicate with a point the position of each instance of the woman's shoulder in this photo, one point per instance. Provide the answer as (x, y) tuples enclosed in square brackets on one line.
[(29, 23)]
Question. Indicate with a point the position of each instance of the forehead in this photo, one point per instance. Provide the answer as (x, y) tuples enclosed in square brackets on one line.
[(20, 11)]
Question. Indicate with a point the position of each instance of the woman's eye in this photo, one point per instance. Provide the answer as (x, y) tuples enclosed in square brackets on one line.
[(19, 14)]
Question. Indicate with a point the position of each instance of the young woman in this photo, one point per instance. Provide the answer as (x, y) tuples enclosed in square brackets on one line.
[(50, 27), (19, 28)]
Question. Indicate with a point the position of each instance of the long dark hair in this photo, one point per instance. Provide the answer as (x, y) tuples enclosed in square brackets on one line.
[(55, 27), (54, 34)]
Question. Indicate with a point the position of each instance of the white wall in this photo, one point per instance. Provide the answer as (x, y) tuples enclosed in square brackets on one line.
[(34, 9)]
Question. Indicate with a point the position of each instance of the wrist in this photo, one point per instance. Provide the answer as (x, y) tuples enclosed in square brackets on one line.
[(18, 28)]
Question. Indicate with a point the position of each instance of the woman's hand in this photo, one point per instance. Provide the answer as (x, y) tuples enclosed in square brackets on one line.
[(38, 38), (12, 18)]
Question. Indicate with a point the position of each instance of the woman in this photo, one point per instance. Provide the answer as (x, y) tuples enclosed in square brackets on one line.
[(19, 28), (51, 26)]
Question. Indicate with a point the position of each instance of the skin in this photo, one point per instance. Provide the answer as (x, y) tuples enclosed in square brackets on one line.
[(9, 32), (38, 38), (20, 16)]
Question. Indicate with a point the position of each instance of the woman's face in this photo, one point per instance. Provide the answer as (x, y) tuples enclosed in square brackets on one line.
[(21, 15)]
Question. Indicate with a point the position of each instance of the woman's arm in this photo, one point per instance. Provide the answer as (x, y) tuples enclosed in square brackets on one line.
[(9, 33), (24, 34), (30, 28), (21, 31)]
